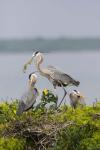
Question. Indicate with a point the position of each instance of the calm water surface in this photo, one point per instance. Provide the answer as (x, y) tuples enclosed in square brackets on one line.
[(83, 66)]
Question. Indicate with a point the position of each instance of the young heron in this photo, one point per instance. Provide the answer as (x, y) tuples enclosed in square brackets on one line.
[(76, 98), (29, 98)]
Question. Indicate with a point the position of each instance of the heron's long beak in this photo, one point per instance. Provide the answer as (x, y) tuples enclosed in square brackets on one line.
[(28, 63)]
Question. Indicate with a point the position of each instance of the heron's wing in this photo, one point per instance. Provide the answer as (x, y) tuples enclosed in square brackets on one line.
[(51, 67), (29, 98), (27, 95), (21, 108), (27, 101), (62, 77)]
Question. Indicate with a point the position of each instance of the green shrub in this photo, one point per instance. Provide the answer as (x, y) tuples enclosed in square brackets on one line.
[(82, 134), (78, 138), (11, 144)]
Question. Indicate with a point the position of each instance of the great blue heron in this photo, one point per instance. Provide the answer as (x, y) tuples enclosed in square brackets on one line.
[(75, 98), (29, 98), (56, 77)]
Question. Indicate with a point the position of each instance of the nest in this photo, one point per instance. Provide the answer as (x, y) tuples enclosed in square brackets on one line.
[(38, 135)]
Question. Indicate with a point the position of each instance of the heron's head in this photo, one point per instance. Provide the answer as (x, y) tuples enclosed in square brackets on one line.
[(32, 79), (38, 57), (77, 94)]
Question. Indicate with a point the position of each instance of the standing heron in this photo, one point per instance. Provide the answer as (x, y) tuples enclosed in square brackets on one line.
[(76, 98), (29, 98), (56, 77)]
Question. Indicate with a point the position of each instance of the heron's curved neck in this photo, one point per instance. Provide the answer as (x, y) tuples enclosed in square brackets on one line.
[(38, 65), (31, 86)]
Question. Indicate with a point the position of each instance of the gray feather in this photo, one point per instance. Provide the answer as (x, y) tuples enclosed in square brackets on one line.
[(62, 77), (27, 101)]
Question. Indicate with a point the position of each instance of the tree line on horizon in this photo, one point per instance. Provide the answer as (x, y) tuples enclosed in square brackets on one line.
[(48, 45)]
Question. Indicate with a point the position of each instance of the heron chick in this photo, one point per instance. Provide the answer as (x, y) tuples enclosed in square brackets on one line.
[(76, 98), (55, 76), (29, 98)]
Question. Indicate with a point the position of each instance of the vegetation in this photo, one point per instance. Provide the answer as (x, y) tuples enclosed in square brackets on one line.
[(48, 45), (44, 128)]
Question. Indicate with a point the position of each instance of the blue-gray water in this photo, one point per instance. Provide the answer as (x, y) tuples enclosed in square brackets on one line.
[(83, 66)]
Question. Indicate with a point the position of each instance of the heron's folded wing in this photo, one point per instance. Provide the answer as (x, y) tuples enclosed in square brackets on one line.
[(60, 76)]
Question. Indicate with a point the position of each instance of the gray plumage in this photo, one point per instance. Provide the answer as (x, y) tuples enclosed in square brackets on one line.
[(29, 98), (61, 79), (56, 77)]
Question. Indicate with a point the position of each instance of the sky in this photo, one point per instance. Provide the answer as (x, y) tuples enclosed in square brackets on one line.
[(49, 18)]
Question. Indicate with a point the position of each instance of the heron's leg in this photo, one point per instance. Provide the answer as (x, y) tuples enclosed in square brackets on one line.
[(55, 94), (65, 101), (63, 97)]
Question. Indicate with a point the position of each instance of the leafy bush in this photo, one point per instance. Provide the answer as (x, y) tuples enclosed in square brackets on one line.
[(78, 138), (11, 144), (45, 127)]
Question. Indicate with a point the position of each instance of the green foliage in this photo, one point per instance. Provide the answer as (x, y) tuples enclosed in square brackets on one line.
[(78, 138), (82, 134), (48, 98), (11, 144), (7, 111)]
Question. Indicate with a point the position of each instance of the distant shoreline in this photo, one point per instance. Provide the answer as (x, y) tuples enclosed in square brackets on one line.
[(48, 45)]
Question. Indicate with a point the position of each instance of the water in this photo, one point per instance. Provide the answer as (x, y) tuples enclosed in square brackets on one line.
[(83, 66)]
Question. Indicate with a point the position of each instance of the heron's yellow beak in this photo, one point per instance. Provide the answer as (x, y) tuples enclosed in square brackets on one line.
[(26, 65)]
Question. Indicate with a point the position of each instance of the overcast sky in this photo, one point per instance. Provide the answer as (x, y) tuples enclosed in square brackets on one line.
[(49, 18)]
